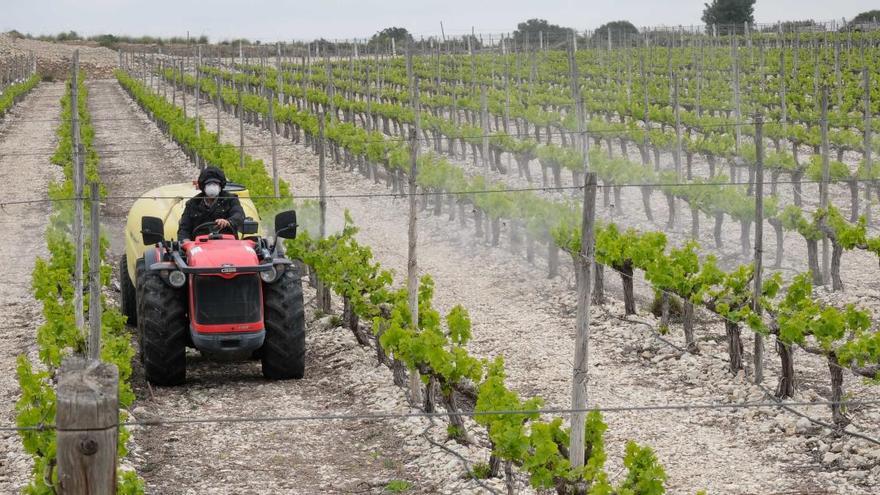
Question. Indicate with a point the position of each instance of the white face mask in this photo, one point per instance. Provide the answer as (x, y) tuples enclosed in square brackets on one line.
[(212, 190)]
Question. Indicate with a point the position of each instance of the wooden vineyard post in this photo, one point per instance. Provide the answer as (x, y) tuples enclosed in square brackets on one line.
[(782, 88), (837, 83), (183, 86), (734, 51), (676, 157), (95, 273), (758, 351), (700, 79), (272, 143), (823, 186), (582, 340), (78, 179), (866, 76), (240, 128), (162, 83), (173, 82), (199, 162), (279, 80), (322, 182), (86, 417), (368, 124), (484, 124), (217, 104), (646, 136), (574, 75), (412, 267), (331, 90), (323, 292)]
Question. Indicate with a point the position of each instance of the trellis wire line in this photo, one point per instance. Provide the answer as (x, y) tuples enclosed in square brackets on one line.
[(470, 414), (432, 193), (428, 140)]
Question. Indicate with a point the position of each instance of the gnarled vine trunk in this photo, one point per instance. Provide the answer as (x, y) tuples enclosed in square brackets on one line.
[(716, 232), (837, 415), (670, 202), (777, 228), (688, 323), (626, 280), (813, 261), (744, 239), (552, 259), (836, 252), (734, 346), (598, 283), (785, 386), (646, 202)]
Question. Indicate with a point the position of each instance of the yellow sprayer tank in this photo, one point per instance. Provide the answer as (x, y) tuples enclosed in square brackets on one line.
[(167, 202)]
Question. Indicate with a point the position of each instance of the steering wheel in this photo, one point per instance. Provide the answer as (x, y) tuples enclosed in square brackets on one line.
[(211, 228)]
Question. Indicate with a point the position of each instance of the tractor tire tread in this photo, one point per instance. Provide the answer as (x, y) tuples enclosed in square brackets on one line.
[(162, 331), (284, 349)]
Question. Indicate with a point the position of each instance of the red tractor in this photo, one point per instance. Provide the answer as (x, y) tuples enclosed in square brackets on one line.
[(225, 296)]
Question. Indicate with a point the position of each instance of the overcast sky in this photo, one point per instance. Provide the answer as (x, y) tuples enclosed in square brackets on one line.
[(274, 20)]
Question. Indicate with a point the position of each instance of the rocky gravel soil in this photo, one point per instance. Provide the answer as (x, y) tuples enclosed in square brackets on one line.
[(27, 140), (516, 311), (529, 320), (315, 456), (53, 59)]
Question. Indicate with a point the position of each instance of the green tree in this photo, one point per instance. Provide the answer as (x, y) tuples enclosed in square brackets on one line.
[(540, 28), (398, 34), (728, 15), (619, 32), (865, 17)]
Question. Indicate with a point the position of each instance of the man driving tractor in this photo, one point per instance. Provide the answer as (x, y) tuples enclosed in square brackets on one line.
[(213, 204)]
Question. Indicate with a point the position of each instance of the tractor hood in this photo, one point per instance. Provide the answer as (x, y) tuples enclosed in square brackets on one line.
[(219, 253)]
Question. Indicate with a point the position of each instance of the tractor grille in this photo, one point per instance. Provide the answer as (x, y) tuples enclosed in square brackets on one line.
[(222, 301)]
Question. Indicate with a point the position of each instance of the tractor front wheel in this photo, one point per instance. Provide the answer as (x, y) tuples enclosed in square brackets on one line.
[(283, 354), (162, 328)]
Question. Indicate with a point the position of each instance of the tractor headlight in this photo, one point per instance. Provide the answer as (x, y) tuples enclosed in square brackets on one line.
[(176, 278), (269, 276)]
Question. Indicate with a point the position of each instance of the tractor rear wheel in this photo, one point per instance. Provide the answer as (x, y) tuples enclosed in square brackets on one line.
[(162, 329), (128, 299), (283, 354)]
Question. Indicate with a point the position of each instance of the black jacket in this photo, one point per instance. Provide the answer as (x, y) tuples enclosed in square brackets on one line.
[(198, 212)]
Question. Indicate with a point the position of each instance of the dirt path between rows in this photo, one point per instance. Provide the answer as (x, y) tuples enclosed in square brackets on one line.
[(352, 456), (529, 320), (27, 141)]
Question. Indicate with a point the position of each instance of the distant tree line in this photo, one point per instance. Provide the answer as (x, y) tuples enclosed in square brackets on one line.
[(718, 14), (112, 40)]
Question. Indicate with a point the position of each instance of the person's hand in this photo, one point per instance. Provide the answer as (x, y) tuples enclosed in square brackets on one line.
[(222, 223)]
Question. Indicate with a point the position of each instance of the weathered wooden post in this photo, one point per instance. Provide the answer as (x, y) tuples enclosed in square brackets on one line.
[(323, 293), (823, 186), (95, 273), (412, 266), (87, 418), (759, 242), (869, 185), (240, 128), (78, 180), (272, 142), (217, 104), (199, 162), (582, 339)]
